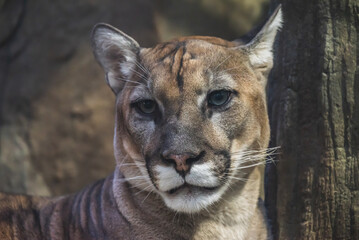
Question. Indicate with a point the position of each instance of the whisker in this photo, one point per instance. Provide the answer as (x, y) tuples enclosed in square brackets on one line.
[(264, 155), (129, 86), (132, 178), (222, 63), (130, 81), (132, 164), (267, 151), (229, 69), (260, 157), (142, 67), (207, 210), (240, 179), (146, 197), (144, 189), (141, 184), (139, 74), (174, 217), (252, 165)]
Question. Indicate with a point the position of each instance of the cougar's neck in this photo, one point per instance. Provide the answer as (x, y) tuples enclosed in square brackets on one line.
[(147, 212), (233, 213), (90, 214), (113, 209)]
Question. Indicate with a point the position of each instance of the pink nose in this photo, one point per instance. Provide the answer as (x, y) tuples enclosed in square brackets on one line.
[(181, 161)]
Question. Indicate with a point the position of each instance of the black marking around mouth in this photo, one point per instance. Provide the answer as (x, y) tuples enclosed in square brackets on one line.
[(150, 174), (197, 158), (227, 164), (224, 153), (174, 190)]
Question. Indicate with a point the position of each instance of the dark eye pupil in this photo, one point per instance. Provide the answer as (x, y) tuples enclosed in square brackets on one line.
[(147, 106), (218, 98)]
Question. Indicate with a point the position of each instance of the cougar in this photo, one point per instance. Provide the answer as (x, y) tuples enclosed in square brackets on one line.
[(191, 130)]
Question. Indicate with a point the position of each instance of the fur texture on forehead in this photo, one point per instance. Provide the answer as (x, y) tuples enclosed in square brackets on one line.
[(189, 64)]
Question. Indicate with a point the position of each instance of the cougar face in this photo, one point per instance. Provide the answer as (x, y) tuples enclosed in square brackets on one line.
[(189, 112)]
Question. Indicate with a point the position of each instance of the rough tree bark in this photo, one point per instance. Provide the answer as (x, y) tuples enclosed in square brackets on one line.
[(313, 191)]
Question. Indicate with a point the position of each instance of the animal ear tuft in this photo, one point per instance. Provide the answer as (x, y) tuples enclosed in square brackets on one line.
[(260, 48), (116, 52)]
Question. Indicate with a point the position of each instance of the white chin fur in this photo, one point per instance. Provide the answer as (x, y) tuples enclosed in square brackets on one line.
[(191, 202), (193, 198)]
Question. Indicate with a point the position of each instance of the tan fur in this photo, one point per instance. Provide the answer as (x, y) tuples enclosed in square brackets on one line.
[(215, 196)]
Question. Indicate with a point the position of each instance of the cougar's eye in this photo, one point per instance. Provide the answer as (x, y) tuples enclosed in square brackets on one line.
[(146, 106), (218, 98)]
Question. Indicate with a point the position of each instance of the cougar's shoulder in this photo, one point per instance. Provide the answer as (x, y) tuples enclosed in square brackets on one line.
[(18, 213)]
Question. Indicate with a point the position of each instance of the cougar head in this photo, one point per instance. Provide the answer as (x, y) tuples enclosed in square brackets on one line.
[(188, 111)]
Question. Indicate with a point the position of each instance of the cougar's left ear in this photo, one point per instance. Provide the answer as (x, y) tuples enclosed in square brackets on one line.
[(260, 47), (116, 52)]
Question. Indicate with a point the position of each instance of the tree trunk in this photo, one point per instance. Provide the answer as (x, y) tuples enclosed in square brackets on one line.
[(312, 192)]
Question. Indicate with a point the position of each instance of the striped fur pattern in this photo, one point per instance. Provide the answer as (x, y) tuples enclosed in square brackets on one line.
[(191, 131)]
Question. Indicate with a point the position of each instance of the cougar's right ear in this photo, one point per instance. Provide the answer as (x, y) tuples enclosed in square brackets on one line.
[(259, 49), (116, 52)]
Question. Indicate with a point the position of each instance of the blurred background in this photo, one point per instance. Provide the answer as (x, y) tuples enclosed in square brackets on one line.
[(56, 112)]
